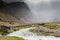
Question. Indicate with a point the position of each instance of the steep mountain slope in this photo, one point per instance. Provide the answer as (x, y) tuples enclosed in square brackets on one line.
[(9, 18), (7, 13)]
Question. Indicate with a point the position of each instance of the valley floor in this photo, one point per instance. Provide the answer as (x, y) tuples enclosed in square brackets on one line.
[(31, 36)]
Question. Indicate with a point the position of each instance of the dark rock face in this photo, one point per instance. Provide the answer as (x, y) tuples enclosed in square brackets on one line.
[(16, 4), (4, 29), (20, 10), (2, 3)]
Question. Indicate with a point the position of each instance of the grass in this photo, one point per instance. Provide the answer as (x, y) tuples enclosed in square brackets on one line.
[(10, 38), (15, 27), (39, 32), (45, 33), (52, 26)]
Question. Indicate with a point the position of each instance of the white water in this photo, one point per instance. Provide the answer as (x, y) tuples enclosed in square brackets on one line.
[(31, 36), (23, 32)]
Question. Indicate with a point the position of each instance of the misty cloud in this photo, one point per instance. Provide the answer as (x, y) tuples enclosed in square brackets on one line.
[(37, 12)]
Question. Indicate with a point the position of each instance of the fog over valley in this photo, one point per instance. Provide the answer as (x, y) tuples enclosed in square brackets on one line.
[(35, 11)]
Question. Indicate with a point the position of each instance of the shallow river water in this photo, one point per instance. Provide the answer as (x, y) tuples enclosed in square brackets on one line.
[(31, 36)]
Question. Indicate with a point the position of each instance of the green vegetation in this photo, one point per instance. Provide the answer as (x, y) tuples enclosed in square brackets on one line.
[(47, 29), (10, 38), (8, 23), (8, 27), (41, 32)]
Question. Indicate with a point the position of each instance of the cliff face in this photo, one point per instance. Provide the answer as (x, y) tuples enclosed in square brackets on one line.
[(2, 3)]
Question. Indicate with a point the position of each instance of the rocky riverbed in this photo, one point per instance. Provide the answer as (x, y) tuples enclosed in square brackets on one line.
[(31, 36)]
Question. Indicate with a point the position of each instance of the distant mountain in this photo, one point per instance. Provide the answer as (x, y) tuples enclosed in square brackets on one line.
[(6, 11), (21, 10)]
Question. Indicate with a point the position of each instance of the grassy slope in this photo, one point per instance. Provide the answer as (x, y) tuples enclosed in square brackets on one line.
[(9, 21), (10, 38), (54, 29), (9, 18)]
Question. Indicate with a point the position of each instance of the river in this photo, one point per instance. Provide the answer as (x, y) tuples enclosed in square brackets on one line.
[(31, 36)]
